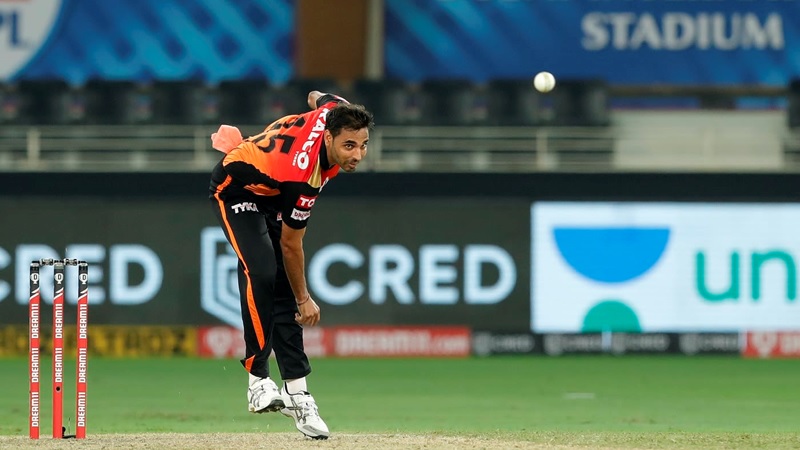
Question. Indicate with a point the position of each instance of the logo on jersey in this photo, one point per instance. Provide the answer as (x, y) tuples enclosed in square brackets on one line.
[(300, 215), (24, 28), (301, 159), (306, 202), (244, 206)]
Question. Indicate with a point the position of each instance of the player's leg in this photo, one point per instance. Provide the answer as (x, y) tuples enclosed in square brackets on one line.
[(287, 340), (246, 231)]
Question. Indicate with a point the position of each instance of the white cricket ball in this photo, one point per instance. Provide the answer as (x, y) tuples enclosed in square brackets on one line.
[(544, 81)]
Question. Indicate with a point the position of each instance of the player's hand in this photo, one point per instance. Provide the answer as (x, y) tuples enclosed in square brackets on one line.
[(308, 312)]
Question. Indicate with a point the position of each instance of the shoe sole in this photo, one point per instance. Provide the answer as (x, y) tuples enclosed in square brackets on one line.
[(317, 436), (274, 406)]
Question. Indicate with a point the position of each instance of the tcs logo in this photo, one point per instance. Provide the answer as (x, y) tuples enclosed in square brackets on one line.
[(306, 202)]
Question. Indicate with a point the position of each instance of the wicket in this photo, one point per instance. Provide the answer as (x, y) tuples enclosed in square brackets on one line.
[(59, 432)]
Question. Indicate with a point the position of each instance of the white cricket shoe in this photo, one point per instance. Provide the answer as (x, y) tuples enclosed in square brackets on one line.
[(263, 396), (303, 409)]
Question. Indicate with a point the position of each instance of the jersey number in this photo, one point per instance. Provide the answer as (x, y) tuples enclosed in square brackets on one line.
[(286, 143), (286, 139)]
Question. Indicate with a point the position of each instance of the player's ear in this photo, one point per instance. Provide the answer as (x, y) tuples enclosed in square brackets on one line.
[(328, 136)]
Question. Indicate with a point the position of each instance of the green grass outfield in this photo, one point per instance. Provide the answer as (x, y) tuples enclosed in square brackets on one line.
[(642, 402)]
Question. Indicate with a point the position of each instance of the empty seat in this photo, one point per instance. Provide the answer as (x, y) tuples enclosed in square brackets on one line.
[(581, 103), (10, 104), (391, 101), (453, 102), (256, 101), (250, 101), (118, 102), (793, 107), (514, 102), (296, 91), (183, 102), (50, 102)]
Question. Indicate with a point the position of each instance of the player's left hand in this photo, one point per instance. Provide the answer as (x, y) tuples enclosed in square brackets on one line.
[(308, 313)]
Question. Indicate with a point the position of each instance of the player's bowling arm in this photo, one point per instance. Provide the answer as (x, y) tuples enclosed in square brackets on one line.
[(313, 96), (317, 99)]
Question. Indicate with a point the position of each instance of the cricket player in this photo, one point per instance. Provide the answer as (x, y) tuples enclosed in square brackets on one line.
[(262, 192)]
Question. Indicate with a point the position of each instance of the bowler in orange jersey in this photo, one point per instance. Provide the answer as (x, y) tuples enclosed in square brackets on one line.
[(263, 192)]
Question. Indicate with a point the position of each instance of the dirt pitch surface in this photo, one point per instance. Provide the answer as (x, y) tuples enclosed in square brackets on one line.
[(273, 440)]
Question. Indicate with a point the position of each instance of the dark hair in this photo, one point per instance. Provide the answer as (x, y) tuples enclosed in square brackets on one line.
[(348, 116)]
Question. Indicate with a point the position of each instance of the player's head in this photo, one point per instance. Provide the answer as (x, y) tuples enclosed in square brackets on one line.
[(346, 135)]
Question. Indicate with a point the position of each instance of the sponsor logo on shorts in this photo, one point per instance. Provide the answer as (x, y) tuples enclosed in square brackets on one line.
[(306, 202), (300, 215), (244, 206)]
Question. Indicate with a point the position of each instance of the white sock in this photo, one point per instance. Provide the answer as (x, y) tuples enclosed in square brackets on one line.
[(252, 378), (296, 385)]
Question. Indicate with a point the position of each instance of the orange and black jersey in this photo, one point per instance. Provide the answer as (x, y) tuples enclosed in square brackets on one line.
[(285, 166)]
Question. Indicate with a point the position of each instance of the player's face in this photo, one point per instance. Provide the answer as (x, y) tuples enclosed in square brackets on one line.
[(348, 148)]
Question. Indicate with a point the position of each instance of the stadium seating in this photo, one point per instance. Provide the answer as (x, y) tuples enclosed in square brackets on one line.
[(49, 102), (243, 101), (391, 101), (514, 102), (255, 101), (10, 104), (453, 102), (111, 102), (296, 91), (184, 102), (581, 103), (793, 109)]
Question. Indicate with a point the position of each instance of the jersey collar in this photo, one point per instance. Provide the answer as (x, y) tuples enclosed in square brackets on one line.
[(323, 156)]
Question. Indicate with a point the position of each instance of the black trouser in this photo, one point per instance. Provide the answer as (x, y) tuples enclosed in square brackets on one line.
[(268, 304)]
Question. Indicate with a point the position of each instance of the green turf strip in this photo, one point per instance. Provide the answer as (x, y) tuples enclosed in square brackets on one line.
[(649, 402)]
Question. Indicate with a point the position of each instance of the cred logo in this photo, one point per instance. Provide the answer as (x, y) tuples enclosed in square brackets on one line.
[(306, 202)]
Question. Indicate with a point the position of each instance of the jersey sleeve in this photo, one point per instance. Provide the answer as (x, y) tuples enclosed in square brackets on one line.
[(298, 199), (330, 98)]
